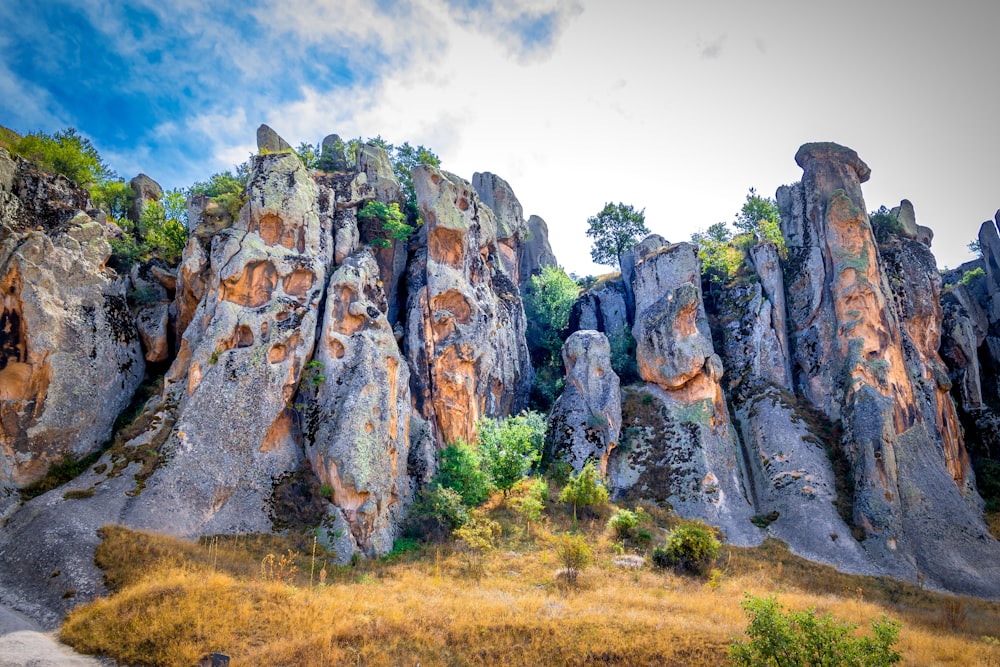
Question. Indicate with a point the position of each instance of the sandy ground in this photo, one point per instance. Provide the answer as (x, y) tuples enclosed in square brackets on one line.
[(23, 643)]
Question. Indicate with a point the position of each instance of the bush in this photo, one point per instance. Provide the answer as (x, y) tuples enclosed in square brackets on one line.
[(690, 548), (435, 513), (624, 523), (585, 490), (511, 447), (66, 153), (574, 554), (623, 354), (461, 471), (802, 638), (392, 219), (532, 503)]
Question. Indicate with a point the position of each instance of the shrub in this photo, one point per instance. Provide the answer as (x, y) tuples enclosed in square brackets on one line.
[(803, 638), (885, 225), (584, 490), (478, 537), (573, 553), (392, 219), (164, 237), (435, 513), (511, 447), (624, 523), (532, 503), (66, 153), (690, 548), (623, 354), (461, 471)]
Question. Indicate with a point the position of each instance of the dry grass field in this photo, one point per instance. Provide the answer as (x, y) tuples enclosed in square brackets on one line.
[(175, 601)]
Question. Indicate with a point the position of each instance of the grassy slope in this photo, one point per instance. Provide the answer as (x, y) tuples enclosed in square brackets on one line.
[(177, 601)]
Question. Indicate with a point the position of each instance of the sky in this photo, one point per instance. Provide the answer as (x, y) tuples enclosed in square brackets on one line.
[(677, 108)]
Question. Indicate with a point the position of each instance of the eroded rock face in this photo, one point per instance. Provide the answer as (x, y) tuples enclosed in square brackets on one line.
[(866, 327), (146, 190), (586, 419), (683, 433), (69, 352), (496, 193), (648, 245), (465, 323), (357, 431), (536, 253), (234, 429), (603, 308)]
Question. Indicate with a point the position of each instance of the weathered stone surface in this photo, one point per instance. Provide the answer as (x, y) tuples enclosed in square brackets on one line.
[(496, 193), (536, 253), (673, 341), (31, 199), (465, 323), (69, 353), (152, 323), (767, 264), (239, 364), (374, 163), (648, 245), (689, 439), (268, 141), (357, 433), (752, 346), (146, 190), (601, 308), (586, 419), (866, 327)]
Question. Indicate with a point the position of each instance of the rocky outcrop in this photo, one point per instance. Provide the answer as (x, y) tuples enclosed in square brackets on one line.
[(465, 323), (145, 190), (358, 406), (69, 352), (648, 245), (683, 434), (536, 253), (908, 227), (332, 153), (866, 353), (511, 227), (234, 430), (268, 141), (585, 421), (601, 308)]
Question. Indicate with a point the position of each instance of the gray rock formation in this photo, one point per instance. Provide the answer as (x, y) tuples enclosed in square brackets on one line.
[(146, 190), (332, 153), (465, 324), (684, 448), (586, 420), (69, 352), (357, 424), (601, 308), (864, 359), (648, 245), (496, 193), (536, 253), (268, 141)]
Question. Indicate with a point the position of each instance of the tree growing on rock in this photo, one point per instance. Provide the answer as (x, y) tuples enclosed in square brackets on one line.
[(615, 229)]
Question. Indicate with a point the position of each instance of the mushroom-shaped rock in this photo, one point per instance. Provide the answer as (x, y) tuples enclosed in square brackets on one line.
[(586, 419)]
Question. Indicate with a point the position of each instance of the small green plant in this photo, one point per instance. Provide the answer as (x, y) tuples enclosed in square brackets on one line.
[(77, 494), (532, 503), (214, 358), (326, 491), (478, 537), (313, 375), (584, 490), (764, 520), (573, 553), (690, 548), (801, 638), (970, 277), (624, 523), (511, 447)]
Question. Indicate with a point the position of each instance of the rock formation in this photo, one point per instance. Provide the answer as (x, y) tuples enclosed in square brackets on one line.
[(687, 446), (69, 354), (586, 419), (536, 253), (465, 323)]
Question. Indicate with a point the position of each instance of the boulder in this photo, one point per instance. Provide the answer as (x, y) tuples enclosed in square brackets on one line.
[(375, 164), (357, 424), (601, 308), (465, 323), (332, 153), (145, 190), (586, 419), (268, 141)]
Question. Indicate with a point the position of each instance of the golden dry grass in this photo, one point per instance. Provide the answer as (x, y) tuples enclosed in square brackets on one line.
[(179, 601)]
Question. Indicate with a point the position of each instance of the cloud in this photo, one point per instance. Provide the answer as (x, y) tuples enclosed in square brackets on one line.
[(713, 49)]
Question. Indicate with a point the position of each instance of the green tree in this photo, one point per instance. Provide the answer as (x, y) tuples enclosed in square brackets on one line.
[(66, 152), (404, 160), (163, 237), (226, 188), (584, 490), (114, 197), (309, 154), (393, 221), (511, 447), (720, 257), (803, 639), (574, 554), (760, 221), (690, 548), (461, 470), (548, 302), (615, 229)]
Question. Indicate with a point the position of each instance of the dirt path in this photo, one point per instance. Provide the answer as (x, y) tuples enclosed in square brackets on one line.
[(23, 643)]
